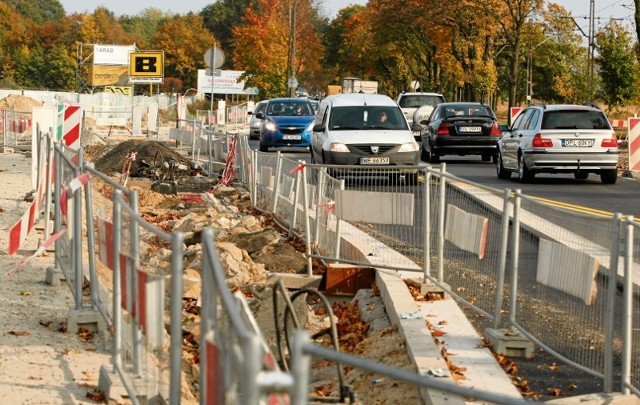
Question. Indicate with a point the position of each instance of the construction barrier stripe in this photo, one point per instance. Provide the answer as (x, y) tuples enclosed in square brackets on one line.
[(37, 253), (21, 229), (105, 240), (71, 126), (214, 389), (634, 143)]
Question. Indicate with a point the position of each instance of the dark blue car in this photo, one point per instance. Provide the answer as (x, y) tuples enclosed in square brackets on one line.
[(286, 122)]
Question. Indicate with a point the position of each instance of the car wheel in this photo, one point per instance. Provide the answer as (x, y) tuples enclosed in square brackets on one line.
[(433, 157), (609, 176), (500, 170), (263, 147), (581, 175), (524, 174)]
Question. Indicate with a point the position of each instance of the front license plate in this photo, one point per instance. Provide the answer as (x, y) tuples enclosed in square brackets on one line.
[(577, 142), (374, 161), (292, 137), (470, 129)]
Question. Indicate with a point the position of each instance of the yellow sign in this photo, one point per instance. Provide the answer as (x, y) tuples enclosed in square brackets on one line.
[(108, 75), (126, 90), (146, 64)]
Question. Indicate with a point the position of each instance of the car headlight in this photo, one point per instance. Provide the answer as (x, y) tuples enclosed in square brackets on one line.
[(338, 147), (270, 126), (409, 147)]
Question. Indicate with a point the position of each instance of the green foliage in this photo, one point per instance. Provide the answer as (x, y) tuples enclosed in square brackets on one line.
[(38, 11), (618, 67)]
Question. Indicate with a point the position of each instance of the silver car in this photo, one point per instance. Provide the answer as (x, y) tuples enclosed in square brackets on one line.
[(563, 138), (254, 122)]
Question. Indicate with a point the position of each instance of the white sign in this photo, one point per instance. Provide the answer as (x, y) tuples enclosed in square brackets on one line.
[(226, 83), (112, 54)]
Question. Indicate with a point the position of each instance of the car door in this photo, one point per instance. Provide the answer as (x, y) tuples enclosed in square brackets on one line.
[(511, 141)]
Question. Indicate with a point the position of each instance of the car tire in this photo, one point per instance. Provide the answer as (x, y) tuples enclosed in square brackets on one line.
[(524, 174), (424, 156), (581, 175), (432, 156), (609, 176), (263, 147), (500, 170)]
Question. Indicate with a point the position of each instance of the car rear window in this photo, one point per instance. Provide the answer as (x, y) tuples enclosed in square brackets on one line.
[(575, 119)]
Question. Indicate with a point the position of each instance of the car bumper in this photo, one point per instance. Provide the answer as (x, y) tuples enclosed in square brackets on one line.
[(541, 162), (277, 140), (449, 145), (395, 159)]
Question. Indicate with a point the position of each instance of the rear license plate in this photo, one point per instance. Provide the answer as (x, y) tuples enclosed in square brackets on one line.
[(374, 161), (470, 129), (292, 137), (578, 142)]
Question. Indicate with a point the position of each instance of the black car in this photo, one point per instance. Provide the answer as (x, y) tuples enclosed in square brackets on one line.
[(460, 129)]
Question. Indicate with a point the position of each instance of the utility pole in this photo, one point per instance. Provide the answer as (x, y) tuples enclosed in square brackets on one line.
[(592, 47)]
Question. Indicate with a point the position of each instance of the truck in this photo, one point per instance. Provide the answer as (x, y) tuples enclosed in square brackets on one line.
[(353, 85)]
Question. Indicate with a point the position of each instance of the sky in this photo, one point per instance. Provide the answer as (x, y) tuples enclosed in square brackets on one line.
[(604, 9)]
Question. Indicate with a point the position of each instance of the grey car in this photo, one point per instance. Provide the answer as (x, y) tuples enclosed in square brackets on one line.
[(561, 138), (254, 122)]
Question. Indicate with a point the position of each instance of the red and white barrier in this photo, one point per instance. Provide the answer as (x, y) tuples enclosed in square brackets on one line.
[(618, 124), (513, 113), (634, 143), (147, 305), (71, 126)]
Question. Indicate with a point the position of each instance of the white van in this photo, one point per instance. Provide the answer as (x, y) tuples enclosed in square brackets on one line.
[(362, 129)]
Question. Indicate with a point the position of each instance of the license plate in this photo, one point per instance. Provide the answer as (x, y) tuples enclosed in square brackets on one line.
[(470, 129), (292, 137), (577, 142), (374, 161)]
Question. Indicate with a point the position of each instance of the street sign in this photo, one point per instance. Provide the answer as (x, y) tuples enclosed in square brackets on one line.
[(293, 82), (210, 72), (414, 85), (209, 57), (146, 64)]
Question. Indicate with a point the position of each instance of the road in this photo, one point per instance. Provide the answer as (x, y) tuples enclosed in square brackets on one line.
[(589, 195)]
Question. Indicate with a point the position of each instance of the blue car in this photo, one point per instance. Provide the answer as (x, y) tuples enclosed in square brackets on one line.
[(286, 122)]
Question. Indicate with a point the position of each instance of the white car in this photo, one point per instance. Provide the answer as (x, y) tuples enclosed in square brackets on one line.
[(362, 129), (410, 103)]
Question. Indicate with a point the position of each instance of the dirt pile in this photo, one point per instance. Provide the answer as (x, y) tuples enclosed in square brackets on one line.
[(148, 155), (15, 102)]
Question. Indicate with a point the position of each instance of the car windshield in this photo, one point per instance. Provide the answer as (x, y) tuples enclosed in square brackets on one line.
[(290, 108), (367, 117), (574, 119), (418, 100)]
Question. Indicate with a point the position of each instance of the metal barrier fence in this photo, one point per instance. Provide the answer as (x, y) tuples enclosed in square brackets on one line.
[(16, 129), (541, 261), (568, 280), (630, 322), (148, 362)]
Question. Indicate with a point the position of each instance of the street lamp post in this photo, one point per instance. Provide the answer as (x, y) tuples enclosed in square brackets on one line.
[(292, 83)]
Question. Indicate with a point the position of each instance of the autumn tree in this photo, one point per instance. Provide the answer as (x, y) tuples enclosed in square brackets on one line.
[(184, 40), (142, 27), (38, 11), (337, 54), (220, 17), (262, 45), (511, 16), (618, 68)]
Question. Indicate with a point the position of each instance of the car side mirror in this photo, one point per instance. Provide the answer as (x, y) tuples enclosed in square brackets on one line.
[(259, 115), (249, 112), (317, 128)]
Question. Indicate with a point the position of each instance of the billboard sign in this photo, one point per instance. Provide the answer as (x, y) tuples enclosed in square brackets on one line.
[(108, 75), (226, 83), (146, 64), (112, 54)]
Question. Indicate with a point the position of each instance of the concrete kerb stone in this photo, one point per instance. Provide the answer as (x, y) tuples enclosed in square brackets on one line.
[(510, 343), (404, 312), (614, 398)]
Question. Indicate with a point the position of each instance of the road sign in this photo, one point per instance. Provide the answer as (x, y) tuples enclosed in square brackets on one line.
[(214, 52), (215, 72), (146, 64), (414, 85), (293, 82)]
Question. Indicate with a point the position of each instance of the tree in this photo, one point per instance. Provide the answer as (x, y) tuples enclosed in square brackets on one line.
[(184, 40), (511, 17), (262, 44), (38, 11), (618, 68), (142, 27), (221, 17)]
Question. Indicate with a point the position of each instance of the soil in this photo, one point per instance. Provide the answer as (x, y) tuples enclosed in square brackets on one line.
[(19, 103)]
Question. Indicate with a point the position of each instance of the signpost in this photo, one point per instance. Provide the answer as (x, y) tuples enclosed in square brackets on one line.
[(214, 58)]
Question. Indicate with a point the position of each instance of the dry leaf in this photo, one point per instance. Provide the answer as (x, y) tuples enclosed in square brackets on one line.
[(19, 333)]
